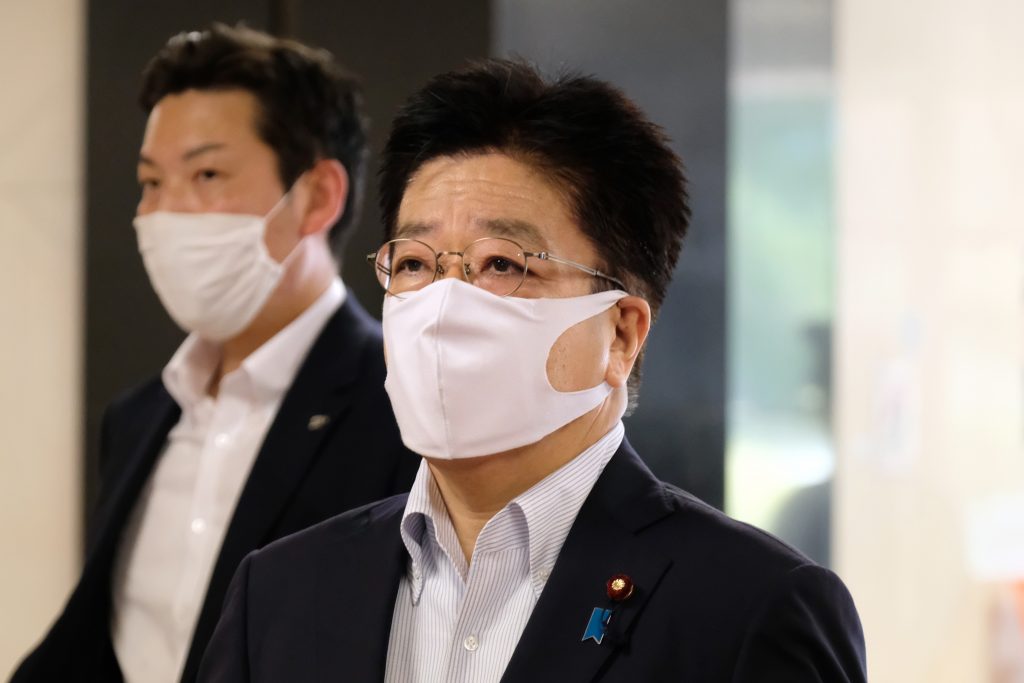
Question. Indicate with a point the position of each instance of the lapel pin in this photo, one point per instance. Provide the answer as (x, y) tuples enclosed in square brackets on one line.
[(619, 587), (597, 625), (317, 422)]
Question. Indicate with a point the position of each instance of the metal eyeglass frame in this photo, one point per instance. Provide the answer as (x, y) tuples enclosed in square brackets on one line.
[(539, 255)]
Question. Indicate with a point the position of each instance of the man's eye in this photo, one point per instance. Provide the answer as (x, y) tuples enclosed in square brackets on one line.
[(408, 265), (149, 183), (501, 266), (208, 174)]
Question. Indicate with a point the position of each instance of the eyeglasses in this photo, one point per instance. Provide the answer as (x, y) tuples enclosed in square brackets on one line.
[(496, 264)]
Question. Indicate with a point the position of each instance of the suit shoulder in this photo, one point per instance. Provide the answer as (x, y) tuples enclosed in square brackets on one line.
[(739, 570), (722, 539), (353, 328), (139, 397), (374, 517), (129, 418), (359, 321), (359, 312)]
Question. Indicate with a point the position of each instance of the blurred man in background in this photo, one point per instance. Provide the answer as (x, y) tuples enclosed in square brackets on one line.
[(271, 416), (533, 228)]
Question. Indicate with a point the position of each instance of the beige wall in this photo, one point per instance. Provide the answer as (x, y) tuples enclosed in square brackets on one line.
[(41, 69), (930, 328)]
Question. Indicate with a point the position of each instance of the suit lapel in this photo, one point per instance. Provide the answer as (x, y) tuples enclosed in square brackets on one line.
[(357, 583), (110, 520), (91, 598), (320, 393), (602, 542)]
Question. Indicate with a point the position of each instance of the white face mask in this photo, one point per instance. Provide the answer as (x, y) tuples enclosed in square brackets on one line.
[(467, 370), (211, 271)]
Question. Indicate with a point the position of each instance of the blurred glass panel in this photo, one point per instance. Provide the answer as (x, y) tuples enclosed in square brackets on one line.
[(779, 452)]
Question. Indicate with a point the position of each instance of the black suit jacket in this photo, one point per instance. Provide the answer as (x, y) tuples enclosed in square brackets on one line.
[(715, 600), (306, 471)]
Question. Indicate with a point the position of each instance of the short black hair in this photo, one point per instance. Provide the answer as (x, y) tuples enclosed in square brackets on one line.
[(626, 187), (310, 108)]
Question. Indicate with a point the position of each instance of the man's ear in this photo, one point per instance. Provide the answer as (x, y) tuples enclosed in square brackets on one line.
[(327, 188), (632, 324)]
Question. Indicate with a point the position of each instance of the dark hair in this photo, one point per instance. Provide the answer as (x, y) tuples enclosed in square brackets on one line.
[(309, 107), (626, 187)]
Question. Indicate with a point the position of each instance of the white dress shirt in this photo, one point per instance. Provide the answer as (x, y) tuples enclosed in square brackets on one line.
[(459, 623), (173, 536)]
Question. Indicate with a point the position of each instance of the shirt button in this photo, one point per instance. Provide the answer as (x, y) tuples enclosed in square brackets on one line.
[(544, 574), (198, 525), (471, 643)]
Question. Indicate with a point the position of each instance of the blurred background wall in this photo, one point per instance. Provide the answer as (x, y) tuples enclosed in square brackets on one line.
[(41, 126), (930, 333), (780, 455), (840, 359)]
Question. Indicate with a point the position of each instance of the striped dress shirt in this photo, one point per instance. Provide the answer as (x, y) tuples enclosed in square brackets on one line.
[(460, 622)]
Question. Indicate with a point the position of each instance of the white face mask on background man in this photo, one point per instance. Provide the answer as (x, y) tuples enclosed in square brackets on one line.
[(467, 370), (211, 271)]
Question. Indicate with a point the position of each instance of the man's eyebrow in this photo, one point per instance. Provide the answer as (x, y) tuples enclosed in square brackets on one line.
[(188, 155), (412, 230), (512, 228), (519, 230), (202, 149)]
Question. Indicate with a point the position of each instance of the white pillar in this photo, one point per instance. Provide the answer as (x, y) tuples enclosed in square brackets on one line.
[(930, 320), (41, 69)]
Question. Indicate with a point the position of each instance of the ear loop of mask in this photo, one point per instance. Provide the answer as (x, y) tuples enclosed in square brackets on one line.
[(269, 216)]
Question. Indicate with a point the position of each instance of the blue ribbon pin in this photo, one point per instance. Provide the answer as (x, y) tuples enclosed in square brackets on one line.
[(597, 625)]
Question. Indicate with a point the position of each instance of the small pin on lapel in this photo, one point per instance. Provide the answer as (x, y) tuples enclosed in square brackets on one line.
[(620, 587), (597, 625), (318, 422)]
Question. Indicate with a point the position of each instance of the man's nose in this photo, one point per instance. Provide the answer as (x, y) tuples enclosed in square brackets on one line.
[(450, 264), (174, 198)]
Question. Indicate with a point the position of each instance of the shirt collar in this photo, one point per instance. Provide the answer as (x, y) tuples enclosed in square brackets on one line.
[(270, 369), (187, 375), (547, 510), (427, 529)]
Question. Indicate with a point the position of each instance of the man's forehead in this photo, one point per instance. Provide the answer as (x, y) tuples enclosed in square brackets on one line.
[(199, 121), (521, 231), (486, 195)]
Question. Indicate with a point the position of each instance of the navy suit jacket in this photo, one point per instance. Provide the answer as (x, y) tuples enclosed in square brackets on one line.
[(715, 600), (305, 472)]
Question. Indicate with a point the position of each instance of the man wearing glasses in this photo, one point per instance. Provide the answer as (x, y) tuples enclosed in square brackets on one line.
[(533, 228)]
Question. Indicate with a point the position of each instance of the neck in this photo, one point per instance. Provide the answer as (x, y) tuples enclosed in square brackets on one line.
[(308, 275), (475, 489)]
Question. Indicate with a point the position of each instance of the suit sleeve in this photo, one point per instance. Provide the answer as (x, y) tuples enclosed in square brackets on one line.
[(807, 631), (227, 656)]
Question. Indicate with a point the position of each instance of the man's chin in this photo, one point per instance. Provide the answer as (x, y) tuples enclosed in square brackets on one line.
[(471, 461)]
